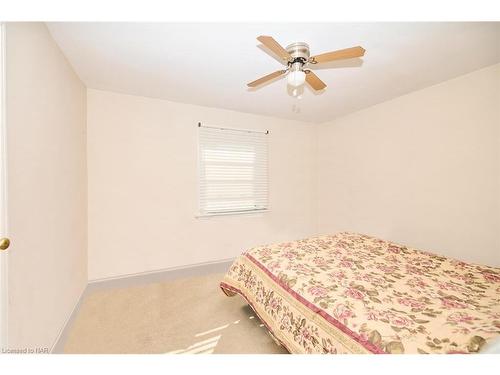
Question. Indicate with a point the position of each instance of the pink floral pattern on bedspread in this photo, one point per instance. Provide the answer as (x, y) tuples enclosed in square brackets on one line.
[(387, 297)]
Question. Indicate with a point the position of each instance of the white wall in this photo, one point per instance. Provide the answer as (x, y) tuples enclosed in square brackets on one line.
[(46, 185), (142, 175), (422, 169)]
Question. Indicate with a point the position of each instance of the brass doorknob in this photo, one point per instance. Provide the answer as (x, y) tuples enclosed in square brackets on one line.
[(4, 243)]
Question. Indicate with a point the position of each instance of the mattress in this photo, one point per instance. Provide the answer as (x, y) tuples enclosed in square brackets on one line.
[(352, 293)]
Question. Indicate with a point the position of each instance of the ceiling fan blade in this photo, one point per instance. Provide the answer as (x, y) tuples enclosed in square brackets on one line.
[(314, 81), (274, 46), (264, 79), (347, 53)]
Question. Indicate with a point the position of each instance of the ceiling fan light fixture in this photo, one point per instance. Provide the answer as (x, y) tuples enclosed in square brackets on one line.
[(296, 77)]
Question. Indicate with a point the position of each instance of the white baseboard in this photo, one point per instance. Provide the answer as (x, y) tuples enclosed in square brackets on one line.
[(170, 273), (58, 346)]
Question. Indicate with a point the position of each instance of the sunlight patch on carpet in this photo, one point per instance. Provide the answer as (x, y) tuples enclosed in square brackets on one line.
[(206, 346)]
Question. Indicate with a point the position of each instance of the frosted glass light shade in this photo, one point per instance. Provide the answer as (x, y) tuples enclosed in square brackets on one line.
[(296, 78)]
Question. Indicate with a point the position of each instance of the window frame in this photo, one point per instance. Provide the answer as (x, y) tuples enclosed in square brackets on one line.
[(200, 212)]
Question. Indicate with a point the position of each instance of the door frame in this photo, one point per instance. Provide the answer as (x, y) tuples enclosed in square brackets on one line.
[(3, 194)]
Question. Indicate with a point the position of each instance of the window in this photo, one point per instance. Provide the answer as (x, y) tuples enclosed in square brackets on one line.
[(232, 171)]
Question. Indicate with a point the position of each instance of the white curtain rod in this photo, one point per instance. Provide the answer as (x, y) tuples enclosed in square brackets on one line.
[(240, 130)]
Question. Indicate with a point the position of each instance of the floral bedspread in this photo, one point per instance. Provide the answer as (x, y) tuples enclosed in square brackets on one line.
[(351, 293)]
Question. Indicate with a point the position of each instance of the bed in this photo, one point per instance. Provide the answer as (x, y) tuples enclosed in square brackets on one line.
[(352, 293)]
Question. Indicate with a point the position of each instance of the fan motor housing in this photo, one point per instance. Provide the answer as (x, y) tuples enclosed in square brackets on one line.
[(299, 51)]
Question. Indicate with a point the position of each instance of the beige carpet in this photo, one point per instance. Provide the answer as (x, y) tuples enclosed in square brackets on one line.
[(189, 315)]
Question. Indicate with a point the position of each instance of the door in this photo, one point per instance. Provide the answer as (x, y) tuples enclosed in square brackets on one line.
[(4, 241)]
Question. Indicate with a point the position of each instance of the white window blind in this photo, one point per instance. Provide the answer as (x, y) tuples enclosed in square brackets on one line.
[(232, 171)]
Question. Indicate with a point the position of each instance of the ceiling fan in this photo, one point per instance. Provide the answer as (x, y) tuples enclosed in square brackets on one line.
[(299, 62)]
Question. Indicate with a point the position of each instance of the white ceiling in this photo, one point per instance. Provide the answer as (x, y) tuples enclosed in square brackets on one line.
[(209, 64)]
